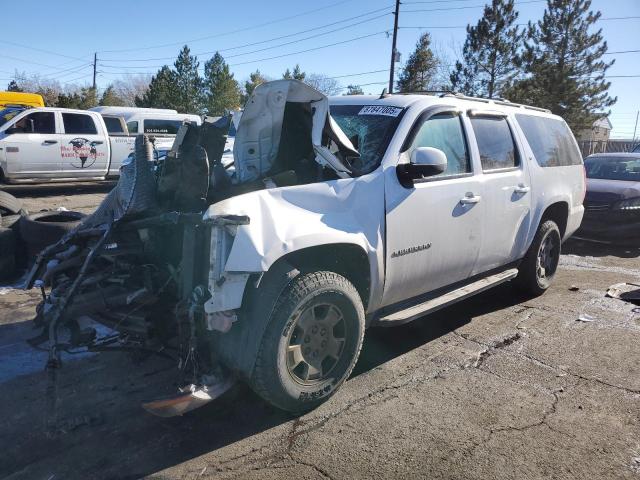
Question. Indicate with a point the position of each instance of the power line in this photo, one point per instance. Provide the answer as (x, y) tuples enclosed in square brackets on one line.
[(262, 49), (252, 27), (622, 51), (281, 37), (41, 50), (278, 56), (517, 24), (466, 7), (311, 49)]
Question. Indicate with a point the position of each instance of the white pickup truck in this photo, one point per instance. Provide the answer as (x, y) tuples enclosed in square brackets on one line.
[(59, 144), (337, 216)]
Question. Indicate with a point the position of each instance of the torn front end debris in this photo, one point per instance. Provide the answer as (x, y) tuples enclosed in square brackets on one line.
[(150, 265)]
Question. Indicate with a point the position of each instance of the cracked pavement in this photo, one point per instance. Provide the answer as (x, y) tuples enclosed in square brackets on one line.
[(499, 386)]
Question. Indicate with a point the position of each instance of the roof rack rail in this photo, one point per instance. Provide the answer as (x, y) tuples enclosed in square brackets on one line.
[(426, 92), (496, 100)]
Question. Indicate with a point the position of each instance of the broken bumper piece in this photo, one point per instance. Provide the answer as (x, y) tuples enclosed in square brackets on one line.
[(190, 397)]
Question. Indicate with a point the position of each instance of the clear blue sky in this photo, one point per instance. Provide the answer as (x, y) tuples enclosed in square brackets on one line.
[(70, 31)]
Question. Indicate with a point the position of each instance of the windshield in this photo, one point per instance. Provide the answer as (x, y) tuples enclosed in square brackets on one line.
[(613, 168), (8, 113), (370, 128)]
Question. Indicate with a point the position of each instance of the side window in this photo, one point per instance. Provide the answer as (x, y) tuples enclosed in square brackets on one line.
[(37, 122), (114, 126), (495, 142), (444, 132), (550, 140), (77, 123), (132, 127), (162, 127)]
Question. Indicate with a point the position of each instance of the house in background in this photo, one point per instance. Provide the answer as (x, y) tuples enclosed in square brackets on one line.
[(599, 132), (596, 138)]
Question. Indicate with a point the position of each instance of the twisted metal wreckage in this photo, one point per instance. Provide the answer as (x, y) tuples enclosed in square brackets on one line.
[(149, 262)]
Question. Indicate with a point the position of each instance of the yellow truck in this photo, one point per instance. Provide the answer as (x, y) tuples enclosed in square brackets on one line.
[(20, 99)]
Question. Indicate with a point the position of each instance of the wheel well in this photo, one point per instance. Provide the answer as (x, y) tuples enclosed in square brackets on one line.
[(346, 259), (559, 213)]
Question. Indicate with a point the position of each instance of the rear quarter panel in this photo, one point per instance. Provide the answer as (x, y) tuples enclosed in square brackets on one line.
[(551, 185)]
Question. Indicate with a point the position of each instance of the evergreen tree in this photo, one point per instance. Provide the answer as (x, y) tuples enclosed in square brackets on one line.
[(222, 92), (354, 90), (111, 98), (489, 51), (255, 79), (82, 99), (189, 98), (69, 100), (297, 74), (88, 98), (563, 66), (13, 87), (162, 91), (420, 71)]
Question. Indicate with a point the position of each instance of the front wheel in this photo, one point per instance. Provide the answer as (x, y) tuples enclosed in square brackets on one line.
[(311, 343), (539, 265)]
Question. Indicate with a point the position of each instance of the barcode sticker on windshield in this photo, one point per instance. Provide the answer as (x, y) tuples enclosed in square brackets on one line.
[(380, 110)]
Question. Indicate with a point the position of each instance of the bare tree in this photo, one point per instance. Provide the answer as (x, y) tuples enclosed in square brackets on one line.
[(48, 88), (131, 87), (324, 84)]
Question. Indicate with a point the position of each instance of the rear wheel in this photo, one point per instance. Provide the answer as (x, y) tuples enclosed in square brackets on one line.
[(311, 343), (538, 268)]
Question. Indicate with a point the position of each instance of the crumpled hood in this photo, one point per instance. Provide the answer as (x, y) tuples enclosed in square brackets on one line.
[(258, 137)]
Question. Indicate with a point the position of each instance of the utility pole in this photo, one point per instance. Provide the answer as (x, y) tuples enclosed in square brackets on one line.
[(95, 62), (396, 14), (635, 129)]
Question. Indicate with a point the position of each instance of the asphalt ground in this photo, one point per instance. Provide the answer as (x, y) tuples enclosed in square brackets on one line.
[(499, 386)]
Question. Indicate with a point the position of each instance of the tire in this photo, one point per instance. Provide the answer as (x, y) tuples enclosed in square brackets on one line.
[(42, 229), (10, 221), (302, 361), (7, 253), (9, 205), (533, 277)]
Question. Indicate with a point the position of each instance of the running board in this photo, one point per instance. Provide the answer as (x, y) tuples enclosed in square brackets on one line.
[(430, 306)]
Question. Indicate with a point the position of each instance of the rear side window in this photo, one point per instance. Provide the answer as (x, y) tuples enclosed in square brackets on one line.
[(114, 125), (162, 127), (77, 123), (444, 132), (495, 143), (37, 122), (132, 127), (550, 140)]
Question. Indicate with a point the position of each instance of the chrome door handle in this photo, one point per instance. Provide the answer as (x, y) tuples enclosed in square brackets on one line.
[(470, 199), (50, 142), (522, 188)]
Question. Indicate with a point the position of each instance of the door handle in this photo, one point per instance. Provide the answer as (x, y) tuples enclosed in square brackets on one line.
[(522, 188), (470, 199), (98, 142), (50, 142)]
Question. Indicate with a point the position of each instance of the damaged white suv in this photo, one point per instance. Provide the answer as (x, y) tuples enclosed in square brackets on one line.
[(335, 215)]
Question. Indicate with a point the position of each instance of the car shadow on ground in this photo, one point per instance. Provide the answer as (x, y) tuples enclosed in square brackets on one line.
[(53, 189), (593, 248), (102, 432)]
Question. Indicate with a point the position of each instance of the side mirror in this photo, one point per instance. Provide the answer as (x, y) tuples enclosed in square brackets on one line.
[(424, 162)]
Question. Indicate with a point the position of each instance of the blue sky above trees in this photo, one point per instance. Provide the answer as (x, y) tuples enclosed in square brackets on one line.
[(68, 33)]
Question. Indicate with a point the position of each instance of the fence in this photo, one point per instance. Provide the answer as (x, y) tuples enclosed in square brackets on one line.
[(588, 147)]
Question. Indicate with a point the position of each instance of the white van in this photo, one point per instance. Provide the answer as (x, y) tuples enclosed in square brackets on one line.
[(159, 122)]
